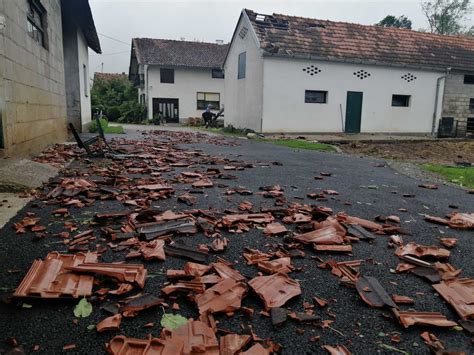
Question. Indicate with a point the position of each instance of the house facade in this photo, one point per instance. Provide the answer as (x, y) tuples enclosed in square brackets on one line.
[(293, 74), (43, 71), (177, 79)]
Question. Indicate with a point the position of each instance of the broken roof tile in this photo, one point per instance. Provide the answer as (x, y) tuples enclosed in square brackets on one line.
[(459, 293), (153, 250), (195, 269), (336, 350), (232, 344), (325, 235), (274, 229), (50, 278), (421, 251), (226, 296), (448, 242), (402, 299), (275, 290), (131, 273), (138, 303), (373, 293), (109, 323), (282, 265), (258, 218), (437, 319), (256, 349), (226, 272), (462, 220)]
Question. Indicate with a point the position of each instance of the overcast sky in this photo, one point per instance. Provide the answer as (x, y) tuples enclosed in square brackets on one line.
[(118, 21)]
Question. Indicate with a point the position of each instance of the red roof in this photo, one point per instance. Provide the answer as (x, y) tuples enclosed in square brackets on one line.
[(299, 37)]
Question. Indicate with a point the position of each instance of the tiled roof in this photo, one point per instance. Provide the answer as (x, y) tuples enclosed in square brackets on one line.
[(109, 76), (291, 36), (179, 53)]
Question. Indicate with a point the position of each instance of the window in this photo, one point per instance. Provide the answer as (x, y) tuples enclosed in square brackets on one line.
[(217, 74), (36, 21), (86, 80), (315, 97), (400, 100), (469, 79), (471, 104), (242, 60), (167, 76), (208, 98)]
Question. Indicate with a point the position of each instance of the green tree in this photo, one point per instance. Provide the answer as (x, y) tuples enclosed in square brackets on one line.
[(118, 100), (393, 21), (446, 17)]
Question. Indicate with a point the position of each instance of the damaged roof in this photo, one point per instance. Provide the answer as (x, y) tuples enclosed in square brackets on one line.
[(306, 38), (154, 51)]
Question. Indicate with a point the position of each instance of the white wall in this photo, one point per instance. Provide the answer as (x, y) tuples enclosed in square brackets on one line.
[(243, 109), (285, 83), (187, 83), (83, 56)]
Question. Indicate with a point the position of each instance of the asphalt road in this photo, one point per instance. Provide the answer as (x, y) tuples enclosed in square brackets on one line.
[(361, 328)]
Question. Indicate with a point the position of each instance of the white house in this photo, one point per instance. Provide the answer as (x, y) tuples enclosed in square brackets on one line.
[(178, 79), (294, 74)]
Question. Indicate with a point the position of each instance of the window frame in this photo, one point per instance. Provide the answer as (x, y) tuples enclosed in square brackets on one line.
[(217, 76), (86, 80), (399, 96), (308, 101), (242, 66), (36, 22), (202, 104), (163, 77), (469, 79)]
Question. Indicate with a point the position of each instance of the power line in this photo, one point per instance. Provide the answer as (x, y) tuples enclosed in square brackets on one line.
[(101, 54), (114, 39)]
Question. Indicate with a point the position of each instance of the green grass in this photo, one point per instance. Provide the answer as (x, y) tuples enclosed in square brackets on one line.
[(301, 144), (114, 130), (106, 128), (458, 175)]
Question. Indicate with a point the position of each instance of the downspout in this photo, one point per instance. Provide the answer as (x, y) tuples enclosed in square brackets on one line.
[(435, 113), (146, 90)]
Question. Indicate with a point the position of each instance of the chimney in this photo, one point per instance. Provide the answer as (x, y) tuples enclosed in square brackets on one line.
[(219, 41)]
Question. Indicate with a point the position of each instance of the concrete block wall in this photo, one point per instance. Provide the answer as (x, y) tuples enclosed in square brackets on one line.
[(34, 103), (456, 99)]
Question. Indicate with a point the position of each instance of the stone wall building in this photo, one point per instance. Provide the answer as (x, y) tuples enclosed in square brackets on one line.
[(40, 91), (458, 105)]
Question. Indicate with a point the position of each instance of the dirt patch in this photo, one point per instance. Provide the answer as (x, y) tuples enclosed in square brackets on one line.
[(443, 152)]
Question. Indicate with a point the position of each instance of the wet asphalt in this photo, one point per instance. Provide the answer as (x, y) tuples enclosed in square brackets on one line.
[(362, 329)]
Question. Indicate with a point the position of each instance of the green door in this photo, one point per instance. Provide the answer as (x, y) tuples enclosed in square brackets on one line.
[(353, 111)]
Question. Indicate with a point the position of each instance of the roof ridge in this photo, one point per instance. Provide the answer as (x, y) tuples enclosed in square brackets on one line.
[(178, 40)]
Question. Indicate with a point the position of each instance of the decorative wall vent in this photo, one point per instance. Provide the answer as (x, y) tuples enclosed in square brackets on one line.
[(243, 32), (408, 77), (362, 74), (312, 70)]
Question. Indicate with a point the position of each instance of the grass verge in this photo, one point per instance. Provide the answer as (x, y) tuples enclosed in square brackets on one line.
[(458, 175), (301, 144), (105, 127)]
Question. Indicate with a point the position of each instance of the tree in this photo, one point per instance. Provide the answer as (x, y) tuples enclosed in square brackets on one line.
[(393, 21), (118, 100), (446, 17)]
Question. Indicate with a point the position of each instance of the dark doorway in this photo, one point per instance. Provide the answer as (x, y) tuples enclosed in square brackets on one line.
[(168, 108), (353, 111)]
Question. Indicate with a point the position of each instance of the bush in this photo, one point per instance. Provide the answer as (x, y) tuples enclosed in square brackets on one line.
[(113, 113), (93, 126), (118, 100)]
